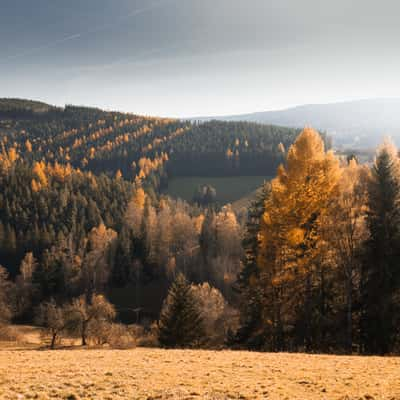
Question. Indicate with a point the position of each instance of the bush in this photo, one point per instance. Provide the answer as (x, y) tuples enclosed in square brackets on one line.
[(147, 337), (218, 316), (117, 336), (121, 337), (9, 333)]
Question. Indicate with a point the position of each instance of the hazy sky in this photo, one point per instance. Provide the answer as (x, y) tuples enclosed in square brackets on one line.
[(198, 57)]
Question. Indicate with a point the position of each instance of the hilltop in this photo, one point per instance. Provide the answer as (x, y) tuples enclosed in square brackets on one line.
[(361, 123)]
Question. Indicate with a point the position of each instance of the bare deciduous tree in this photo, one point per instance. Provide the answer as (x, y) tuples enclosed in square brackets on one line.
[(81, 314)]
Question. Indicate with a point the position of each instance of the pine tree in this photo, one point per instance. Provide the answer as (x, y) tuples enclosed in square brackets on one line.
[(181, 323)]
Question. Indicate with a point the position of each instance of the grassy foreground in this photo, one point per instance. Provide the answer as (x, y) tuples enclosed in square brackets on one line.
[(177, 374)]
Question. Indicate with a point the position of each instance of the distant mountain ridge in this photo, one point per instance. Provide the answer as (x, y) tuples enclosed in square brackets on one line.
[(360, 123)]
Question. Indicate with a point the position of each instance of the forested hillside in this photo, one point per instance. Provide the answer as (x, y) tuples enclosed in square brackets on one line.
[(78, 183), (87, 235), (98, 141)]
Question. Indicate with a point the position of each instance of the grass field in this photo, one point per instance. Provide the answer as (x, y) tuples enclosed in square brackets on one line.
[(229, 189), (186, 374)]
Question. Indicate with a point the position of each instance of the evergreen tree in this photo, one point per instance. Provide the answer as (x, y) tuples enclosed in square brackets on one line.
[(121, 272), (250, 332), (5, 296), (381, 271), (181, 323)]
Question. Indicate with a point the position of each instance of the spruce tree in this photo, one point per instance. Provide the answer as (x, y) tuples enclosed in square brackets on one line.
[(381, 272), (181, 323), (251, 332)]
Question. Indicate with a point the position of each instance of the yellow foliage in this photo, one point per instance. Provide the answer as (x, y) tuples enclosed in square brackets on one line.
[(301, 195), (139, 198), (295, 236), (12, 155), (28, 146), (39, 171), (35, 186)]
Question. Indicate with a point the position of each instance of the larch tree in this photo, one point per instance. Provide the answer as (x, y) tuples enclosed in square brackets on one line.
[(24, 285), (346, 232), (134, 212), (97, 262), (291, 245), (149, 232), (164, 239)]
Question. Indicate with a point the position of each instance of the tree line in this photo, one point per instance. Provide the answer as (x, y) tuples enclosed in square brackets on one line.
[(315, 268), (65, 233), (322, 255)]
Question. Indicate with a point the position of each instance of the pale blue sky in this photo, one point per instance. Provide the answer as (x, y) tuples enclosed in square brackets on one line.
[(198, 57)]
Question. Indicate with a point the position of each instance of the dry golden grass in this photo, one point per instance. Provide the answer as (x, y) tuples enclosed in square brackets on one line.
[(178, 374)]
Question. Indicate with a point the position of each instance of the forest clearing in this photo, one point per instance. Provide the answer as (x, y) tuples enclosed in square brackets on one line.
[(229, 189), (194, 374)]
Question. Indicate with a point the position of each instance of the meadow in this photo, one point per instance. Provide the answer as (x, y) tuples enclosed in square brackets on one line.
[(229, 189), (151, 374)]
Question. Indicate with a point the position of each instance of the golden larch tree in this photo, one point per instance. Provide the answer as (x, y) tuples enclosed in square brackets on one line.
[(291, 243)]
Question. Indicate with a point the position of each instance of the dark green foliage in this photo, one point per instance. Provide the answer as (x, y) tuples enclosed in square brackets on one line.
[(202, 151), (251, 331), (180, 324), (193, 149), (20, 108), (381, 271), (35, 221), (123, 266)]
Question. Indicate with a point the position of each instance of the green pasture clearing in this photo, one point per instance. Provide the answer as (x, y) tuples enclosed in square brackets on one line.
[(229, 189)]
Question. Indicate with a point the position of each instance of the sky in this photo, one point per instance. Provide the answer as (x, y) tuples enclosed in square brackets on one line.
[(185, 58)]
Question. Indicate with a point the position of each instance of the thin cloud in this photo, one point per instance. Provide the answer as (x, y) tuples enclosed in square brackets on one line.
[(78, 35)]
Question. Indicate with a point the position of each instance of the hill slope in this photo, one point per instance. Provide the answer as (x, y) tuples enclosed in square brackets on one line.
[(361, 123), (64, 170), (101, 141)]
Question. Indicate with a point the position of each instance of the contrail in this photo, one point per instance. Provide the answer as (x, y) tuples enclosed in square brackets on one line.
[(132, 14), (44, 46)]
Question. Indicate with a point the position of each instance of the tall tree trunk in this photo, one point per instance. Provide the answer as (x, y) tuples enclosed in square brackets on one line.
[(83, 333), (53, 340), (307, 330)]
